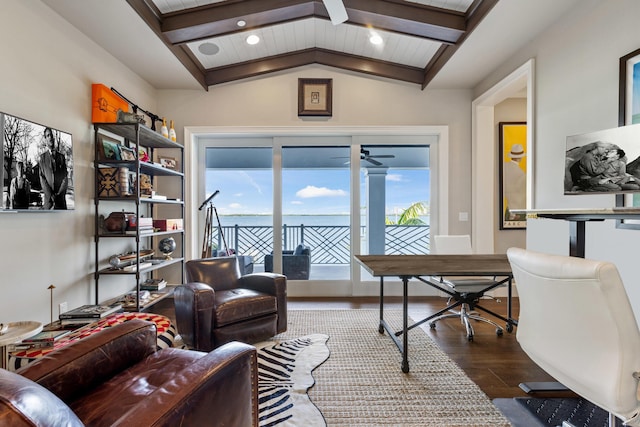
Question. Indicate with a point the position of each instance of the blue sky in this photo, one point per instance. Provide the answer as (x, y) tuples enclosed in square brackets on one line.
[(309, 192)]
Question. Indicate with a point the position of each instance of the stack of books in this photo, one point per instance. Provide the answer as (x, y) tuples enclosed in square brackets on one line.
[(88, 313), (153, 284), (41, 340), (144, 225)]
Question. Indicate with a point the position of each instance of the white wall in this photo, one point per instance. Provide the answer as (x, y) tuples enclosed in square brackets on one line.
[(357, 101), (46, 72), (577, 92)]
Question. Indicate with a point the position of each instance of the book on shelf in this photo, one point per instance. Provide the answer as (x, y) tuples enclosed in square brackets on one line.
[(46, 337), (142, 230), (77, 322), (90, 311), (153, 284)]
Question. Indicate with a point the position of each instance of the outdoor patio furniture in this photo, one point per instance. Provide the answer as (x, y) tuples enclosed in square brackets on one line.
[(296, 264)]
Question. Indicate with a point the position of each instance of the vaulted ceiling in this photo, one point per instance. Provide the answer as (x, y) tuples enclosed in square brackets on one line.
[(209, 37)]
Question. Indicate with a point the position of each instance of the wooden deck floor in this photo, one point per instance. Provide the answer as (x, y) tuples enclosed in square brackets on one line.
[(496, 364)]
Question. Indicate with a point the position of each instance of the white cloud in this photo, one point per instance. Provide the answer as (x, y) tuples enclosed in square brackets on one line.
[(311, 191), (297, 202), (235, 205), (394, 177)]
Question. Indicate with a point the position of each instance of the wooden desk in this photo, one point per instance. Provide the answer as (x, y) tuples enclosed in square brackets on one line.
[(421, 267)]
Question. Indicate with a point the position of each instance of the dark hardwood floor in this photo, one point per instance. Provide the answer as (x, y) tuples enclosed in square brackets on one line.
[(496, 364)]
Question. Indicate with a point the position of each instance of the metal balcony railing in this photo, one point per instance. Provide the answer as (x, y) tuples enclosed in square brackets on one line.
[(329, 243)]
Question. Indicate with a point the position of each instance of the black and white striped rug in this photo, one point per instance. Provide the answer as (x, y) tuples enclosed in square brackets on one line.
[(284, 376)]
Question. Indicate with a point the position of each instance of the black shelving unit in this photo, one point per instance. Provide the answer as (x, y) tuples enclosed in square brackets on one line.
[(134, 136)]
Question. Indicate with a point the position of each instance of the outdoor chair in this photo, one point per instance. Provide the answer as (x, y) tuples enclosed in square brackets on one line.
[(296, 264), (467, 290), (577, 324)]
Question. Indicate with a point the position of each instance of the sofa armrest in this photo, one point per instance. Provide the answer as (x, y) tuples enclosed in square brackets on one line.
[(72, 370), (194, 303), (271, 284), (218, 389), (25, 403)]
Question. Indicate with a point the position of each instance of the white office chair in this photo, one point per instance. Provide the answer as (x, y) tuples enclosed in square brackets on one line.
[(577, 324), (467, 290)]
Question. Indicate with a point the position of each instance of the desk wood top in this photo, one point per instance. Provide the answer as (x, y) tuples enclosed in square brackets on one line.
[(436, 265)]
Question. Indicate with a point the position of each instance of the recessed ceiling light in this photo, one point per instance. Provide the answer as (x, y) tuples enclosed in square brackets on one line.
[(253, 39), (241, 23), (375, 39), (208, 48)]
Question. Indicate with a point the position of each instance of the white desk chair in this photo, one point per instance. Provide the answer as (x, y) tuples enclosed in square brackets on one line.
[(467, 290), (577, 324)]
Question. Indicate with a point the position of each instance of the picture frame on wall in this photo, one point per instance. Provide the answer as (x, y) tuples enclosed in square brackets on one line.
[(315, 97), (108, 149), (512, 175), (628, 114)]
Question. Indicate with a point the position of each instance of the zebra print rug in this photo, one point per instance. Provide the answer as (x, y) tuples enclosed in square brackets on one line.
[(284, 376)]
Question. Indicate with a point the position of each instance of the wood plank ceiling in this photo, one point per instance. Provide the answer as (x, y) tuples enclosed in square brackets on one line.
[(207, 36)]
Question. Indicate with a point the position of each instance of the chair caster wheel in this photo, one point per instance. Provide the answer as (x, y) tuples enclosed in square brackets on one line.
[(470, 338), (509, 327), (432, 325), (499, 332)]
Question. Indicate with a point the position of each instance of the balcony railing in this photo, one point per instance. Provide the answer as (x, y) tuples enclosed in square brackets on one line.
[(329, 243)]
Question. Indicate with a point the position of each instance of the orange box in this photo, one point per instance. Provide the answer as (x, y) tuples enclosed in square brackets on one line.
[(168, 224), (105, 104)]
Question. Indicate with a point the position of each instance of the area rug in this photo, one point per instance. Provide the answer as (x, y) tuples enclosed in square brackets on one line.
[(362, 384), (284, 375)]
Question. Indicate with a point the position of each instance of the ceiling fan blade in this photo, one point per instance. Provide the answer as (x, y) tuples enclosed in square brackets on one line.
[(383, 156), (372, 161), (336, 10)]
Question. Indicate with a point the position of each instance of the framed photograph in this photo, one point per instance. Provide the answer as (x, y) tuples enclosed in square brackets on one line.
[(127, 153), (168, 162), (108, 149), (628, 114), (513, 174), (315, 97)]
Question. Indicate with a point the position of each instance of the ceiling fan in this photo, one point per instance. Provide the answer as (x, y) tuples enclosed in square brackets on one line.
[(337, 11), (368, 157)]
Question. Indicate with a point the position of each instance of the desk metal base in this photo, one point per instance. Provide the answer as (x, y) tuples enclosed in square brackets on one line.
[(403, 346)]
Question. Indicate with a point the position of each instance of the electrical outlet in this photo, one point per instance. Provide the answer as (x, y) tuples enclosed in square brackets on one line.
[(62, 307)]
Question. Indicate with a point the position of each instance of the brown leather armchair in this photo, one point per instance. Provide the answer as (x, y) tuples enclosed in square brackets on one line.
[(117, 378), (218, 305)]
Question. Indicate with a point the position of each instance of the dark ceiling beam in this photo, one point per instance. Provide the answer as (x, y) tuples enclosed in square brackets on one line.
[(477, 12), (221, 18), (151, 17), (314, 56)]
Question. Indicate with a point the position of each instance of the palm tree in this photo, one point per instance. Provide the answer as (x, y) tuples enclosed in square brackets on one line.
[(411, 215)]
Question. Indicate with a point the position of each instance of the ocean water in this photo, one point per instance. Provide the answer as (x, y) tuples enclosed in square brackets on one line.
[(267, 220)]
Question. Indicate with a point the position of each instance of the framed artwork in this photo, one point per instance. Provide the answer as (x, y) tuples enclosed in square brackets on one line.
[(127, 153), (168, 162), (628, 114), (315, 97), (512, 174), (108, 149)]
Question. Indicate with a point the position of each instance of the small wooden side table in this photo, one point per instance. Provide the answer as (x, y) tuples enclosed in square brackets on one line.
[(16, 332)]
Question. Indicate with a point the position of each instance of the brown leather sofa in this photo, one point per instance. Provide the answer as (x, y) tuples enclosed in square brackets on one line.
[(218, 305), (117, 378)]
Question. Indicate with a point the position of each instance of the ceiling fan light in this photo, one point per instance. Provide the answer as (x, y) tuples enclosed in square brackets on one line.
[(253, 39)]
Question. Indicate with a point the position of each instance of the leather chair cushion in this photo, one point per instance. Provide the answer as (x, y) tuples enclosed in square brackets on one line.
[(236, 305), (106, 404)]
